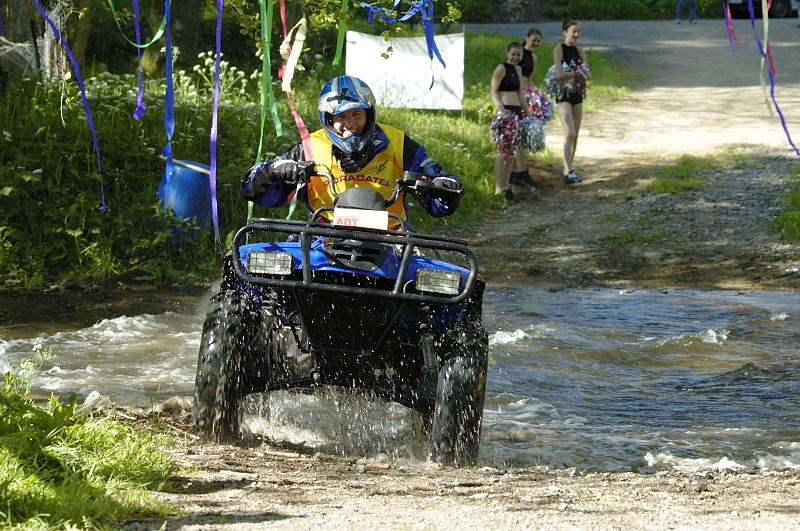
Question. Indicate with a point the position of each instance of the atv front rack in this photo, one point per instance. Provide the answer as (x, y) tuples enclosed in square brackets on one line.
[(305, 231)]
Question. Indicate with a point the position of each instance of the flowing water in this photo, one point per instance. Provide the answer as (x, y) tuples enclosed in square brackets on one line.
[(596, 379)]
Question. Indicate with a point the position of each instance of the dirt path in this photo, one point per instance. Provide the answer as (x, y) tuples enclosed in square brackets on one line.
[(691, 96)]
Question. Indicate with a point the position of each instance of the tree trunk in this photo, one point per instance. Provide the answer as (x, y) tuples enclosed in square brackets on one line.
[(82, 32), (186, 28)]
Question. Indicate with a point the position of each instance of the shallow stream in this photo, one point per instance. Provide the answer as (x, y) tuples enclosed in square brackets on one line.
[(597, 379)]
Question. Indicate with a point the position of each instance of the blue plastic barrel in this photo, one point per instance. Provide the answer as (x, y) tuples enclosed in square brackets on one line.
[(188, 192)]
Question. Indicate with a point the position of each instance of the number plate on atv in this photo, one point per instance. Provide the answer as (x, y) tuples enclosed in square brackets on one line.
[(356, 217)]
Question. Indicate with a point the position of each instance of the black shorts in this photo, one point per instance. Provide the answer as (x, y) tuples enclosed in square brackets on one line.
[(515, 109), (574, 99)]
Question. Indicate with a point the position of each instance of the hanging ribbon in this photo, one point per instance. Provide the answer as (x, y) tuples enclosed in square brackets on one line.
[(340, 38), (767, 57), (159, 32), (732, 39), (212, 167), (425, 9), (267, 94), (291, 53), (140, 106), (266, 74), (169, 99), (88, 109)]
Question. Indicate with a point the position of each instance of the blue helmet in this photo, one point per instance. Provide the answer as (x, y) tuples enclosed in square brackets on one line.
[(342, 94)]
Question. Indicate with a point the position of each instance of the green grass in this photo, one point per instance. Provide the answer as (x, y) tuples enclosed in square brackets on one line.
[(685, 174), (61, 469), (788, 221)]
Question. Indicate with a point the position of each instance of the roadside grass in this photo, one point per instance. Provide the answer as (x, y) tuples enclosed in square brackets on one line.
[(682, 175), (686, 173), (61, 469), (788, 221)]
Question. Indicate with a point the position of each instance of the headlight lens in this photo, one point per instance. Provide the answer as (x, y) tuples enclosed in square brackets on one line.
[(269, 262), (431, 280)]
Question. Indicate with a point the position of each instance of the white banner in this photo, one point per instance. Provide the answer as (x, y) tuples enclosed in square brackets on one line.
[(404, 78)]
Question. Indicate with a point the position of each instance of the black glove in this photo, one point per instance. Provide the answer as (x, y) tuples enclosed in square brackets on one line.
[(288, 171)]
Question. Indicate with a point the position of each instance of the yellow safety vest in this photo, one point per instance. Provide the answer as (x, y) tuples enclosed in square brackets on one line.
[(381, 173)]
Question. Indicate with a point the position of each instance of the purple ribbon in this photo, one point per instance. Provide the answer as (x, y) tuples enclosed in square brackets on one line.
[(140, 106), (771, 75), (88, 109), (212, 173)]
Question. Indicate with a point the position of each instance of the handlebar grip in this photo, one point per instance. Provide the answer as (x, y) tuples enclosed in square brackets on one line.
[(306, 169)]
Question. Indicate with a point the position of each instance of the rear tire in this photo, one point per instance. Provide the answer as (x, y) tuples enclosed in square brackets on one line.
[(780, 9), (458, 413), (225, 366)]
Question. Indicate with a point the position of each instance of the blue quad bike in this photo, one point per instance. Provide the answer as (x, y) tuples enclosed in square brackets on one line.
[(352, 304)]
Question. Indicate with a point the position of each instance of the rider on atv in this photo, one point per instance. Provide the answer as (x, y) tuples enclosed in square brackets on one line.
[(359, 152)]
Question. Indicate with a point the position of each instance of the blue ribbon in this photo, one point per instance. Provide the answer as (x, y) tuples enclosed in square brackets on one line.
[(88, 109), (424, 8), (169, 100), (140, 106), (212, 174), (771, 75)]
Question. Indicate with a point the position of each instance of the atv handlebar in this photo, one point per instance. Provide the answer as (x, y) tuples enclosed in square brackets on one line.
[(409, 181)]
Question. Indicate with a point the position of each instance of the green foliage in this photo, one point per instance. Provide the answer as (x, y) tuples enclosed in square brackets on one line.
[(788, 221), (681, 176), (626, 9), (685, 174), (477, 10), (60, 468), (52, 230)]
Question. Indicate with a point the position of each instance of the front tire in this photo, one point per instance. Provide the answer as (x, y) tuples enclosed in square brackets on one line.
[(225, 366), (458, 413)]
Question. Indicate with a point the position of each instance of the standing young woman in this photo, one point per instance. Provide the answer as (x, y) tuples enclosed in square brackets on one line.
[(507, 96), (572, 70), (520, 175)]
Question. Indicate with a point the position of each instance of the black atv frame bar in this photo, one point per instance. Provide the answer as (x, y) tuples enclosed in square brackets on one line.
[(408, 240)]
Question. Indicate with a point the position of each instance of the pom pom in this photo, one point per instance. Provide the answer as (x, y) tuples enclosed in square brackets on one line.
[(539, 106), (558, 89), (507, 133), (532, 134)]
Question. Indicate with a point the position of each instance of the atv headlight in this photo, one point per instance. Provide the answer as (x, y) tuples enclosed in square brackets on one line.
[(269, 262), (446, 282)]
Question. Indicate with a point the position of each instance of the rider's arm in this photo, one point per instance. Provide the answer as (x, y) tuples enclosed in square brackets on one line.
[(443, 203), (264, 183)]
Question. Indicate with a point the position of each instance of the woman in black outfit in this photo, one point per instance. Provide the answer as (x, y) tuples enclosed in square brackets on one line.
[(533, 39), (571, 68), (507, 96)]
